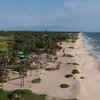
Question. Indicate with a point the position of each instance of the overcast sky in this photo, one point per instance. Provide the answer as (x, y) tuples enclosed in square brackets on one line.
[(67, 15)]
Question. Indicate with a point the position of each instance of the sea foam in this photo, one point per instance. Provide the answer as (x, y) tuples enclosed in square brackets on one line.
[(93, 44)]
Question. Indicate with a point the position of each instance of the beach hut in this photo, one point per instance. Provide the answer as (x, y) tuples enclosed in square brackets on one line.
[(22, 55)]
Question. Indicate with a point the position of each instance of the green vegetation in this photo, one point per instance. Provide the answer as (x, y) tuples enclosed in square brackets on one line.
[(3, 46), (20, 95), (4, 81), (71, 47), (69, 63), (73, 99), (64, 85), (67, 55), (28, 95), (3, 95), (38, 80), (33, 45), (68, 75), (75, 64), (4, 42), (75, 71), (82, 77)]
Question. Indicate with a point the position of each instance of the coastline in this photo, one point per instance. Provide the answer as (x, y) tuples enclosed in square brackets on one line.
[(89, 87), (82, 89)]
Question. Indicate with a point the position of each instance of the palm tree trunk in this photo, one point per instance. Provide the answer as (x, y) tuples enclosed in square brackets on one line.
[(21, 81), (51, 58), (2, 82), (13, 70), (30, 72)]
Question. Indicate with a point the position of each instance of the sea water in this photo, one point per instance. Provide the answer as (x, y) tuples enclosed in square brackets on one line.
[(92, 43)]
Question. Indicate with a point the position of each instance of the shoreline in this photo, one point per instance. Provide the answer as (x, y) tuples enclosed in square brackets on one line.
[(87, 49), (89, 87)]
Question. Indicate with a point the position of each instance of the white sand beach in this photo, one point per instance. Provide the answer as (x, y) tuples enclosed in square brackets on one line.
[(82, 89)]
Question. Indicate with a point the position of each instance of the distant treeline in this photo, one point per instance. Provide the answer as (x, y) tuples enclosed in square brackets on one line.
[(9, 33), (34, 41)]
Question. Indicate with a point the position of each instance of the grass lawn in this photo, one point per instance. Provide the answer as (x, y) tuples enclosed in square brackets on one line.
[(29, 95), (3, 46), (3, 95), (22, 94), (3, 42)]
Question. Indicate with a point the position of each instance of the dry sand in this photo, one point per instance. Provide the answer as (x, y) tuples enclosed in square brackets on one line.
[(90, 86), (83, 89)]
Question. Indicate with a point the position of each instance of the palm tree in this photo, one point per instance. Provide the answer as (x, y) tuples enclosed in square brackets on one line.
[(3, 63), (22, 72), (29, 66)]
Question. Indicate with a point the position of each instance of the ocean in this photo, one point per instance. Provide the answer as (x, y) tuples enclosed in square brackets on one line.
[(92, 43)]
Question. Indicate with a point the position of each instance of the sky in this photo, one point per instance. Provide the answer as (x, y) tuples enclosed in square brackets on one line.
[(57, 15)]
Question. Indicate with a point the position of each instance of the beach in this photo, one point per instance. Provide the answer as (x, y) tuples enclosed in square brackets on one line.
[(86, 88), (89, 87)]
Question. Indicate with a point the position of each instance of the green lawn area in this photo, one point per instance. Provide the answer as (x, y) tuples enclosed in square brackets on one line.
[(3, 46), (3, 42), (3, 95), (22, 94)]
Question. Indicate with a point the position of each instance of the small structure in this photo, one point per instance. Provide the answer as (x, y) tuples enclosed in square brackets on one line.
[(22, 55)]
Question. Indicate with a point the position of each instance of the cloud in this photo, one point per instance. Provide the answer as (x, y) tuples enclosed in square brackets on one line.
[(72, 5)]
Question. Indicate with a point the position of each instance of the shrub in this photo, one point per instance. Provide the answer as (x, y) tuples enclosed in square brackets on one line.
[(38, 80), (64, 85), (82, 77), (68, 75), (3, 95), (73, 41), (75, 71), (67, 55), (23, 92), (51, 69), (64, 55), (71, 47), (27, 95), (75, 64), (4, 81), (68, 63)]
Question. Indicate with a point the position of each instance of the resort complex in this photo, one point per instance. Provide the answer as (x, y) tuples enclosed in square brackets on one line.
[(38, 65), (47, 66)]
